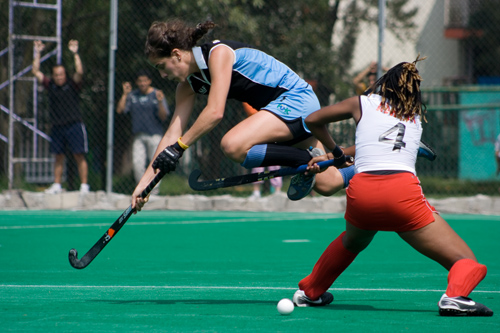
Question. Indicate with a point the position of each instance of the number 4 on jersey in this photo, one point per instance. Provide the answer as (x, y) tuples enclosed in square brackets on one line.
[(398, 141), (424, 150)]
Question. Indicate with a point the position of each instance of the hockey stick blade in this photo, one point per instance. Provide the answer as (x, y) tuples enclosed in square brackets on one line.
[(426, 151), (110, 233), (213, 184)]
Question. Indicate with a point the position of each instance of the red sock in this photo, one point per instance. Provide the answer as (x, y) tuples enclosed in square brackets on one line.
[(464, 276), (334, 260)]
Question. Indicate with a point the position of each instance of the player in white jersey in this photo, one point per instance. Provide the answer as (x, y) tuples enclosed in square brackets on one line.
[(385, 194)]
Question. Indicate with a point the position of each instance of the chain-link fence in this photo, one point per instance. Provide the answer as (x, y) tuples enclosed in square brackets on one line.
[(327, 42)]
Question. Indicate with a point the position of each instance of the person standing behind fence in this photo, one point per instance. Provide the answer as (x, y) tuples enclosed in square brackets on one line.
[(68, 128), (148, 108)]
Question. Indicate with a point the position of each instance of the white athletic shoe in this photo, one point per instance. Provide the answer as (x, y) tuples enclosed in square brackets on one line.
[(300, 299), (462, 306), (255, 195), (84, 188), (54, 189)]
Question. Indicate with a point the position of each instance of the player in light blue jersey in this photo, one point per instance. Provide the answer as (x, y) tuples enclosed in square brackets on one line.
[(276, 135)]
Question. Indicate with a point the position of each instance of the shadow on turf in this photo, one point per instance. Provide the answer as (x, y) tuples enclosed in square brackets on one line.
[(332, 307), (185, 301), (357, 307)]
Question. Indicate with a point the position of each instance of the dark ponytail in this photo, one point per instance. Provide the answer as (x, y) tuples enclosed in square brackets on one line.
[(201, 30), (400, 88), (163, 37)]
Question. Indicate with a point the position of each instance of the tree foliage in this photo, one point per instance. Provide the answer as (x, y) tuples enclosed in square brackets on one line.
[(298, 33)]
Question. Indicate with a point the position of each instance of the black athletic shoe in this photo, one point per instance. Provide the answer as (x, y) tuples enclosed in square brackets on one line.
[(300, 299), (462, 306), (300, 184), (424, 150)]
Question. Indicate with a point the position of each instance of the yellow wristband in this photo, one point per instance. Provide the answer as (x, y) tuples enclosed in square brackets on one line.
[(183, 146)]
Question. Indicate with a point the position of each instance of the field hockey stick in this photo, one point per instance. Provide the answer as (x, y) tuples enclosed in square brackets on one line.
[(115, 227), (213, 184)]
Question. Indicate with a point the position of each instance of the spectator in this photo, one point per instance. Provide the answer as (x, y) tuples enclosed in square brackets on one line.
[(276, 183), (366, 78), (65, 115), (148, 108)]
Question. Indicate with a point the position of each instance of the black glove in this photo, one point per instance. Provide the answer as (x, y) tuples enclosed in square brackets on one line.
[(338, 162), (167, 160), (338, 156)]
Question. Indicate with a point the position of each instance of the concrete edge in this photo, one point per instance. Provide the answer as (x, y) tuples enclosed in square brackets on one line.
[(100, 200)]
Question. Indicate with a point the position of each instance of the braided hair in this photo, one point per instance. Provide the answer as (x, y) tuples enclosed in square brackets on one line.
[(163, 37), (400, 89)]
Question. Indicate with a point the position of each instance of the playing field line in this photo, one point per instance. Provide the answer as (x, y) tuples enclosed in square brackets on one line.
[(206, 221), (44, 286)]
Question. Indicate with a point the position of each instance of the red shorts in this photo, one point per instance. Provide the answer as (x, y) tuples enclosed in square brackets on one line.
[(387, 202)]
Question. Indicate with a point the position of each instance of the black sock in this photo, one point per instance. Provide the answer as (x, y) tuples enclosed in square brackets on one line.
[(285, 155)]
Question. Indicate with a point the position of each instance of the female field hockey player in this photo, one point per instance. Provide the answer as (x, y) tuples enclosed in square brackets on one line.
[(385, 193), (276, 135)]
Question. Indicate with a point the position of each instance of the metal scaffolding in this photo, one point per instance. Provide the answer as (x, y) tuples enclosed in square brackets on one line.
[(29, 156)]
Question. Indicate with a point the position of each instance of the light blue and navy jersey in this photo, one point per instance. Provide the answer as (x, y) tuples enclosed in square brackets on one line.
[(257, 77)]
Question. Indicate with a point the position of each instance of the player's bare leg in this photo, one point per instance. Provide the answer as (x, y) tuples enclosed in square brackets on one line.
[(262, 127), (265, 127), (355, 239), (441, 243)]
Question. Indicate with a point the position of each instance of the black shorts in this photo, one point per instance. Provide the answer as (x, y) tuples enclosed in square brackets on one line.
[(297, 129), (72, 135)]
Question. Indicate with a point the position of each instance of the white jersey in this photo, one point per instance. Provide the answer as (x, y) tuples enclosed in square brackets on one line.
[(384, 142)]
